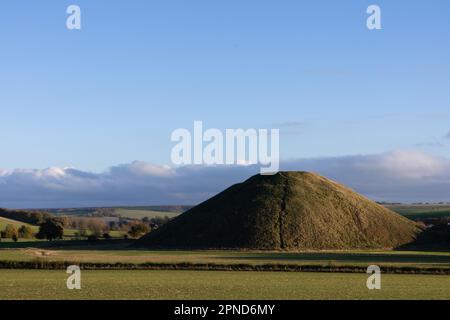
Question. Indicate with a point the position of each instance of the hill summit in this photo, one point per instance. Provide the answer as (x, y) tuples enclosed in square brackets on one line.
[(287, 211)]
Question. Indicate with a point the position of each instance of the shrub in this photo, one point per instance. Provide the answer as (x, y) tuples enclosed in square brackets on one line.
[(25, 232), (92, 237), (138, 230), (9, 232)]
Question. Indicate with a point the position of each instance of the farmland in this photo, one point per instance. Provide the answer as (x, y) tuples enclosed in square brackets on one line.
[(189, 281), (189, 284), (119, 253), (43, 284), (137, 213), (416, 212)]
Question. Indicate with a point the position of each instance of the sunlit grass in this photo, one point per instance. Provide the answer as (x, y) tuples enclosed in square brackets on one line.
[(35, 284)]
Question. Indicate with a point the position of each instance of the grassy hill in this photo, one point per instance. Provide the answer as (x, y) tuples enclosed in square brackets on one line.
[(288, 211), (17, 224)]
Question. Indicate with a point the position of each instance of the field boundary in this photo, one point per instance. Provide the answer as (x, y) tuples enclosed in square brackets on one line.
[(62, 265)]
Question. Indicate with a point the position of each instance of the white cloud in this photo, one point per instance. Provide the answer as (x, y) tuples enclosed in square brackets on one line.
[(143, 169), (407, 176), (408, 164)]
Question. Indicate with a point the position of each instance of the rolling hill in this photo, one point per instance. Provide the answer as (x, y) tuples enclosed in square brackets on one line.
[(17, 224), (286, 211)]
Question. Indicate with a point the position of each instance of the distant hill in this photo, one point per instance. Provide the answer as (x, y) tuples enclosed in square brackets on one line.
[(17, 224), (133, 212), (288, 211), (30, 217), (139, 213), (422, 212)]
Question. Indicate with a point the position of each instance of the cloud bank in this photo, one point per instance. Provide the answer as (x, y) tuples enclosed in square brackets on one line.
[(406, 176)]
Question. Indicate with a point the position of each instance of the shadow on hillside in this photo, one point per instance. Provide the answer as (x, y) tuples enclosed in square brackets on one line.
[(436, 238), (114, 244)]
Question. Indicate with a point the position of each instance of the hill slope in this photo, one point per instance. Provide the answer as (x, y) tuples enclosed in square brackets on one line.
[(17, 224), (289, 211)]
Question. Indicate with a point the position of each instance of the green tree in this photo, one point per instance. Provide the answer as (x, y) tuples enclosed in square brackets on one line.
[(97, 227), (50, 230), (9, 232), (25, 232), (138, 230)]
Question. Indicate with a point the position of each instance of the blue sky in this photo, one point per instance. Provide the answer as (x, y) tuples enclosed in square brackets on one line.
[(113, 92)]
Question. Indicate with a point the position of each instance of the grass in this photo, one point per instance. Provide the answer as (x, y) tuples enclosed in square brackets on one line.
[(17, 224), (70, 233), (136, 213), (422, 211), (353, 258), (37, 284), (176, 284)]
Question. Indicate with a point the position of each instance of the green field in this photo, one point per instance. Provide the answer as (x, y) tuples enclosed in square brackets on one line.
[(70, 233), (325, 258), (178, 284), (35, 284), (421, 211), (136, 213)]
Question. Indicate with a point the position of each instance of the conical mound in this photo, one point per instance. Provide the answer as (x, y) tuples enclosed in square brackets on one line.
[(287, 211)]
